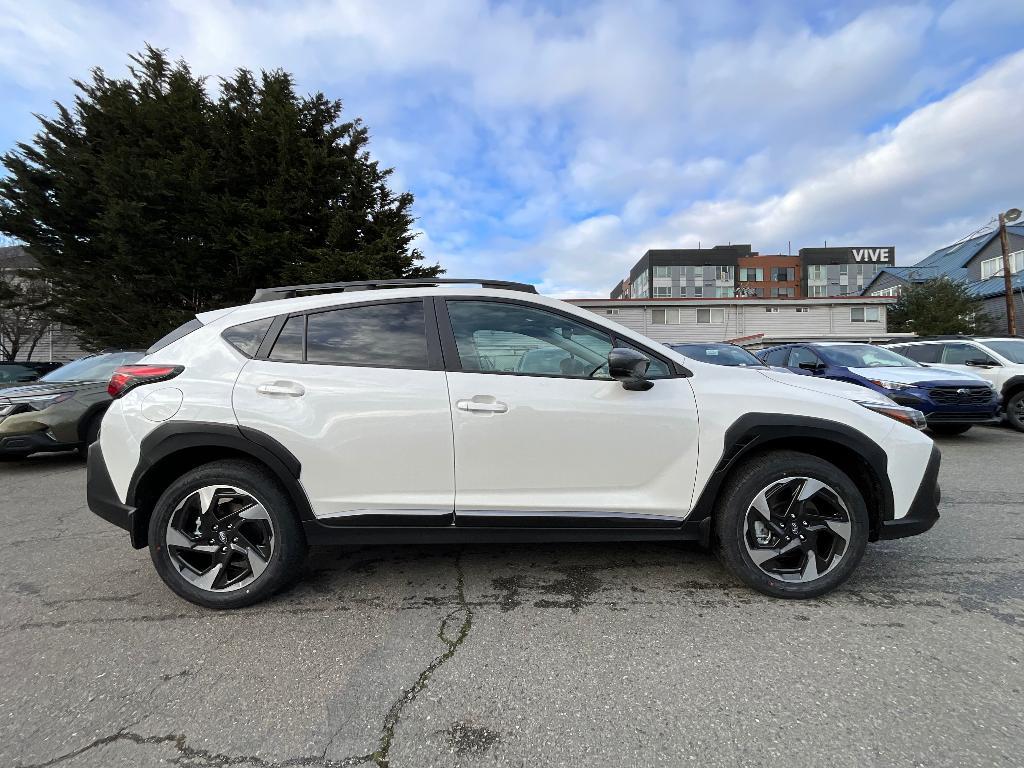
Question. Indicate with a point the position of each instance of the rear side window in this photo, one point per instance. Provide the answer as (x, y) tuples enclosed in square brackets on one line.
[(288, 346), (380, 335), (178, 333), (247, 337), (921, 353), (802, 355)]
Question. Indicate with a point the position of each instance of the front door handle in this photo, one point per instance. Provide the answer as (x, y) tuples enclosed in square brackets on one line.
[(281, 389), (482, 407)]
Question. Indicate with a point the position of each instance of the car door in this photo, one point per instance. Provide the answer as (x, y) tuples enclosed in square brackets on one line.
[(358, 394), (567, 448)]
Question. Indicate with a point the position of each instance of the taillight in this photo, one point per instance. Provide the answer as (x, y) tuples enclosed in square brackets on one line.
[(126, 377)]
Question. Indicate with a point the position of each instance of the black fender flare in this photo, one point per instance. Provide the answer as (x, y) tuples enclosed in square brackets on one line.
[(752, 431), (177, 438), (1009, 386), (94, 410)]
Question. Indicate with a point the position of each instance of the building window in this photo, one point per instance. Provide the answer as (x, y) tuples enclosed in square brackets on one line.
[(803, 309), (662, 291), (664, 316), (682, 291), (817, 272), (752, 274), (993, 267), (817, 290), (662, 272), (611, 311), (710, 316), (723, 274), (698, 291), (863, 314), (722, 292), (895, 290), (782, 293), (773, 310)]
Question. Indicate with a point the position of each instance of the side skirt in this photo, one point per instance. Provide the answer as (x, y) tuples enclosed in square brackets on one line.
[(321, 534)]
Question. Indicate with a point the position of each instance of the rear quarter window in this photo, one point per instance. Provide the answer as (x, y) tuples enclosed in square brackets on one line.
[(247, 337)]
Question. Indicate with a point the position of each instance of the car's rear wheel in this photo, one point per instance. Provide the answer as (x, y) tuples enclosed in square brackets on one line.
[(791, 525), (948, 429), (224, 535), (92, 433), (1015, 411)]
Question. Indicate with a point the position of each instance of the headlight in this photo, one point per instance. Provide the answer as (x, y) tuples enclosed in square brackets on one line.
[(909, 416), (895, 385), (39, 402)]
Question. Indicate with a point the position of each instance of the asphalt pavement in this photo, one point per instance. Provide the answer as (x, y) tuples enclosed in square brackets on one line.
[(554, 655)]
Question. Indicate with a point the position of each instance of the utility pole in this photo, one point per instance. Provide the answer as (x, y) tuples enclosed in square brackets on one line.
[(1011, 310)]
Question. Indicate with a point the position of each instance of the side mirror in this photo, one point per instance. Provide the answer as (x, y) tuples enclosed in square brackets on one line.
[(981, 363), (629, 367), (811, 366)]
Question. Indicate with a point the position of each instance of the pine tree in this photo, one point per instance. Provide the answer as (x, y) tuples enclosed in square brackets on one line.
[(148, 200), (937, 307)]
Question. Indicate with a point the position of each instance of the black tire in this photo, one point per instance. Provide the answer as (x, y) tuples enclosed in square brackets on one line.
[(286, 556), (1015, 411), (746, 482), (949, 429), (92, 433)]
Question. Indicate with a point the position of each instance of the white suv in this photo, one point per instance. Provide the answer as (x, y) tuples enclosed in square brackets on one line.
[(999, 360), (350, 414)]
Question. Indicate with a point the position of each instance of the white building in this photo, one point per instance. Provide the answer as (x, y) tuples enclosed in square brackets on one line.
[(752, 322)]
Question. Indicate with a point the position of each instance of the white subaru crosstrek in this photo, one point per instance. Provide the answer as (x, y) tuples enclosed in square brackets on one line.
[(466, 411)]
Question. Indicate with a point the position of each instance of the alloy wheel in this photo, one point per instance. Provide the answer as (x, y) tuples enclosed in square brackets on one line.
[(797, 529), (220, 538)]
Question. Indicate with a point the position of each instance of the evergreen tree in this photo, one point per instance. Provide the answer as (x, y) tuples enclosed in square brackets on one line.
[(937, 307), (148, 200)]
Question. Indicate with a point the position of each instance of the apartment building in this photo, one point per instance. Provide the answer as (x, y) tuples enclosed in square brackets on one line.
[(725, 271)]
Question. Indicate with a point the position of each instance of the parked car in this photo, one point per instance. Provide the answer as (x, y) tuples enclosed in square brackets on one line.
[(378, 416), (998, 360), (951, 401), (21, 372), (717, 353), (62, 410)]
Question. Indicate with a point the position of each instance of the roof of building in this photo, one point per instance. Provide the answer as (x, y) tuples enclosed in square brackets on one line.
[(16, 257), (736, 300)]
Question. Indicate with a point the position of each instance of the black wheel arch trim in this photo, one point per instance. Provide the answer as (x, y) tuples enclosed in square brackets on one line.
[(753, 430), (1010, 386), (178, 437), (93, 411)]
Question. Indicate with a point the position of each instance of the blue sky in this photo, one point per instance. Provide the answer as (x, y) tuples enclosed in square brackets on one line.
[(556, 142)]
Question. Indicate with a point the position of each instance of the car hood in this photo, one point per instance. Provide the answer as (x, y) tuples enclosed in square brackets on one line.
[(909, 375), (38, 388), (825, 386)]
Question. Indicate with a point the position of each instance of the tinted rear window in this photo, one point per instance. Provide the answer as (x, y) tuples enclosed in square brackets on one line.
[(380, 335), (178, 333), (921, 353), (247, 337)]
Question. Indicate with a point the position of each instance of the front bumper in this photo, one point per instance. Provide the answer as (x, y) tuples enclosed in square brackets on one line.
[(31, 442), (924, 509), (104, 501)]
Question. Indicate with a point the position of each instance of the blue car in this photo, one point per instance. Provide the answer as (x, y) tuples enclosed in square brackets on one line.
[(952, 401)]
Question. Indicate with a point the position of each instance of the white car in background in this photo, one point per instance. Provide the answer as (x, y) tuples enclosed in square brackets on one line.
[(998, 360), (425, 411)]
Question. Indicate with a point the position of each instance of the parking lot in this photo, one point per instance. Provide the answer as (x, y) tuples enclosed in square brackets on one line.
[(598, 655)]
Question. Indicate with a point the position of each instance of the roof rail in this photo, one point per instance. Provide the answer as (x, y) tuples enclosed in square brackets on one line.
[(290, 291)]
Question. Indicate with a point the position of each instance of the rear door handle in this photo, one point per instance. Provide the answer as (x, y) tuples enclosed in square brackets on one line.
[(281, 389), (476, 405)]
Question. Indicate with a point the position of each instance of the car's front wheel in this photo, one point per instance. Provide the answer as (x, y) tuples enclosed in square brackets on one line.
[(1015, 411), (224, 535), (791, 525)]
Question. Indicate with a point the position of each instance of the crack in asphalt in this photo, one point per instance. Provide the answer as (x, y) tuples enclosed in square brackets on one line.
[(462, 615)]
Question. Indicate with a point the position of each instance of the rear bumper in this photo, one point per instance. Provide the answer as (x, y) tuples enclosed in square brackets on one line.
[(104, 501), (924, 509)]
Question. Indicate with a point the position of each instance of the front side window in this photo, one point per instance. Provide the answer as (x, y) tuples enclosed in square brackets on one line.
[(497, 337), (960, 354), (802, 355), (776, 357), (378, 335)]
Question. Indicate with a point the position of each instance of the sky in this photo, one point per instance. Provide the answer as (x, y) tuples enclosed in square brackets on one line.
[(556, 142)]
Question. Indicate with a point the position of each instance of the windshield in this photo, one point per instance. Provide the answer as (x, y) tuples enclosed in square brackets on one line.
[(718, 354), (1011, 349), (92, 368), (864, 356)]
